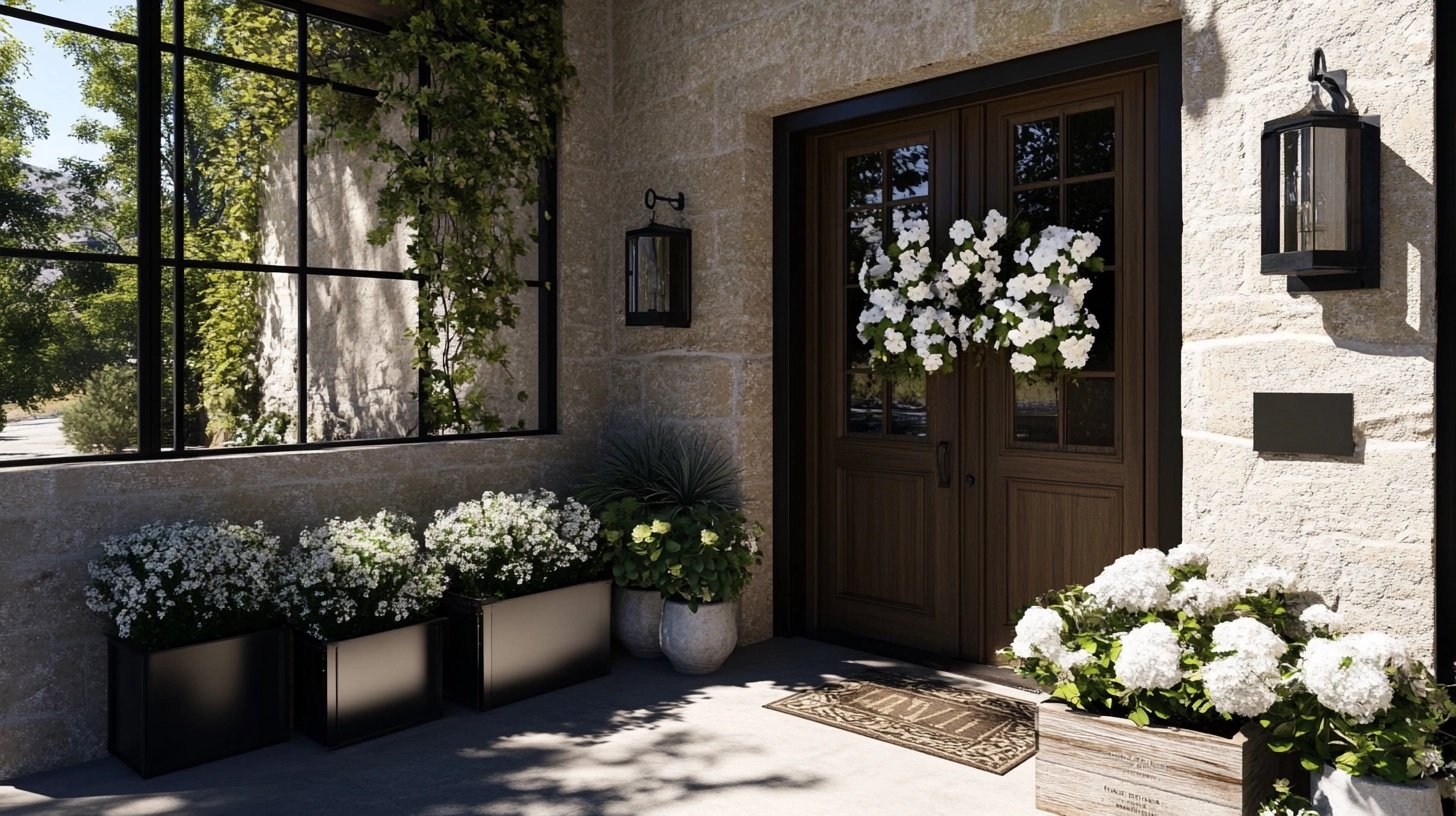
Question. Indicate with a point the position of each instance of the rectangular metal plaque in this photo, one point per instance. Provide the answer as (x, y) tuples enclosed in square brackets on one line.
[(1305, 423)]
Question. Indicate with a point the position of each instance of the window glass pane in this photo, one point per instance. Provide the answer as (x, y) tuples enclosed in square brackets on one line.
[(1090, 142), (239, 169), (1092, 411), (242, 30), (342, 190), (1295, 210), (903, 214), (68, 142), (865, 232), (910, 171), (361, 377), (1041, 207), (240, 374), (1101, 303), (68, 358), (1331, 184), (1091, 206), (866, 403), (864, 179), (1036, 413), (856, 352), (116, 15), (1036, 152), (510, 390), (907, 406), (340, 53)]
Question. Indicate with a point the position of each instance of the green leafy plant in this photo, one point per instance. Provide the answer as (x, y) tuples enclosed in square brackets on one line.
[(104, 419), (271, 428), (1285, 802), (167, 586), (703, 555), (505, 545), (665, 468), (477, 87)]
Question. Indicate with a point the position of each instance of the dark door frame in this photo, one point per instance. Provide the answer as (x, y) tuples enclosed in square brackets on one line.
[(1160, 46), (1445, 412)]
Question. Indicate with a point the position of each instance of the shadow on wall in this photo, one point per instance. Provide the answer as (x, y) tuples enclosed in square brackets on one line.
[(1205, 68), (618, 745)]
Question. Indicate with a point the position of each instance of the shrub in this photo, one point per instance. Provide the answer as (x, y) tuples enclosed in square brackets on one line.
[(170, 586), (104, 418), (668, 469), (502, 545), (351, 578), (700, 556)]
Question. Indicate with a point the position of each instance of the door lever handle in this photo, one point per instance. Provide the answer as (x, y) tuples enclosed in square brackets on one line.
[(970, 480), (942, 463)]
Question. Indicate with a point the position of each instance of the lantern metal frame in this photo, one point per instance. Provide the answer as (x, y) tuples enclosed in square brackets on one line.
[(679, 313), (1312, 270)]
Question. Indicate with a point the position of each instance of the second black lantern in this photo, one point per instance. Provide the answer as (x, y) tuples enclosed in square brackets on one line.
[(659, 270)]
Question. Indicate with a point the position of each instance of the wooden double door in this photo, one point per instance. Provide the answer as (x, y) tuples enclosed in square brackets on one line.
[(944, 504)]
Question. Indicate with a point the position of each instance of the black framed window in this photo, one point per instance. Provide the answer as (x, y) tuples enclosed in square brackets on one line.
[(184, 267)]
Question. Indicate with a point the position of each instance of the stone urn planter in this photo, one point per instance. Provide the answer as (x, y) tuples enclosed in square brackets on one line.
[(1336, 793), (699, 642), (1087, 765), (636, 620)]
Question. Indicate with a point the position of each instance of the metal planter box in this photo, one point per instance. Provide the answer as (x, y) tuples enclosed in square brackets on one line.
[(498, 652), (169, 709), (347, 691), (1088, 765)]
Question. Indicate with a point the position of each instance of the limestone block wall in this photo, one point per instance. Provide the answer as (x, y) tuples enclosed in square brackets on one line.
[(52, 654)]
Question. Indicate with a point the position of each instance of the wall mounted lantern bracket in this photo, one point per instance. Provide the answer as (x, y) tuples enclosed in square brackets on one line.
[(659, 269)]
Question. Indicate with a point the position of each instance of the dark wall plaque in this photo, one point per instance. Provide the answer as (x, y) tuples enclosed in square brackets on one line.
[(1305, 423)]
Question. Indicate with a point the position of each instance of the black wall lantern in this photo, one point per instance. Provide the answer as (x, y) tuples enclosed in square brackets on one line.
[(1321, 192), (660, 270)]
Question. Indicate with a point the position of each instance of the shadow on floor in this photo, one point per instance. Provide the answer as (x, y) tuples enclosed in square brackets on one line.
[(644, 737)]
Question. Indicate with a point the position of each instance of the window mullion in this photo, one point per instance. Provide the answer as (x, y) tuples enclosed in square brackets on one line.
[(179, 228), (149, 214), (302, 80)]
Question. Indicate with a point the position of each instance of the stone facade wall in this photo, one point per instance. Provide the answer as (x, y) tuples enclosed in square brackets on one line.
[(52, 655)]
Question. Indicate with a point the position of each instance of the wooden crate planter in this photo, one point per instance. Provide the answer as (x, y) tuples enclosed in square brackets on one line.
[(347, 691), (170, 709), (498, 652), (1088, 765)]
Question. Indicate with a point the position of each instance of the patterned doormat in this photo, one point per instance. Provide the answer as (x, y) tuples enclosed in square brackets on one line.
[(970, 727)]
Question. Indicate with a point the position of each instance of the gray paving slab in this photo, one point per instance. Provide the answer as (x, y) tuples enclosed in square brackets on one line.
[(644, 740)]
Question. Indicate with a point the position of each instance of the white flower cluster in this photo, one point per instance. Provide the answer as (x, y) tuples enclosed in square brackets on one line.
[(1244, 682), (1039, 635), (1151, 658), (915, 303), (346, 572), (199, 570), (502, 540), (1137, 582), (1348, 675), (1320, 616), (1040, 313)]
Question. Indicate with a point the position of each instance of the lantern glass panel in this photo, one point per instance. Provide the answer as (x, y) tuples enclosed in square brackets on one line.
[(654, 265), (1314, 170)]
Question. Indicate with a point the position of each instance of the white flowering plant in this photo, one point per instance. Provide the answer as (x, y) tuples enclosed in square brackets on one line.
[(1285, 802), (172, 585), (504, 545), (1362, 703), (1155, 638), (704, 555), (1038, 312), (346, 579)]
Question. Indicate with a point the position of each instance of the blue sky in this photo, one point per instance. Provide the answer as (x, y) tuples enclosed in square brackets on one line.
[(53, 83)]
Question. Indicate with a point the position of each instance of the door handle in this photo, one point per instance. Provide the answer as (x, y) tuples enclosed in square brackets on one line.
[(970, 480), (942, 463)]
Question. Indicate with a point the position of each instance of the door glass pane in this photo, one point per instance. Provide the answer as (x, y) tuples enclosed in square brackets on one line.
[(1035, 156), (1091, 206), (1101, 303), (865, 232), (904, 213), (864, 180), (856, 353), (1091, 411), (1041, 207), (1090, 141), (866, 403), (910, 171), (1036, 413), (907, 406)]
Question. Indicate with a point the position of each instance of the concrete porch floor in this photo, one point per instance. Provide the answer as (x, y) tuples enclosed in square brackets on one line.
[(644, 740)]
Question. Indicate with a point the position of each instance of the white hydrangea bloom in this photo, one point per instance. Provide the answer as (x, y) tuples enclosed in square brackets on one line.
[(1200, 597), (1039, 634), (1150, 658), (1137, 582), (1244, 686), (1248, 637), (1343, 680), (1266, 578), (1322, 616), (1188, 554), (1022, 363), (1380, 649)]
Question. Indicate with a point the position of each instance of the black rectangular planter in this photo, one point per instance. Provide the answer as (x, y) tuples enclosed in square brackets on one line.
[(170, 709), (498, 652), (347, 691)]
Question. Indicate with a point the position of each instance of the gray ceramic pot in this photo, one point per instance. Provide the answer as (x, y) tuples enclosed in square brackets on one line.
[(636, 619), (699, 642), (1336, 793)]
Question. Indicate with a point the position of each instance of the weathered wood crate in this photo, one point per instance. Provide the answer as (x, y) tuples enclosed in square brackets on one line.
[(1088, 765)]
